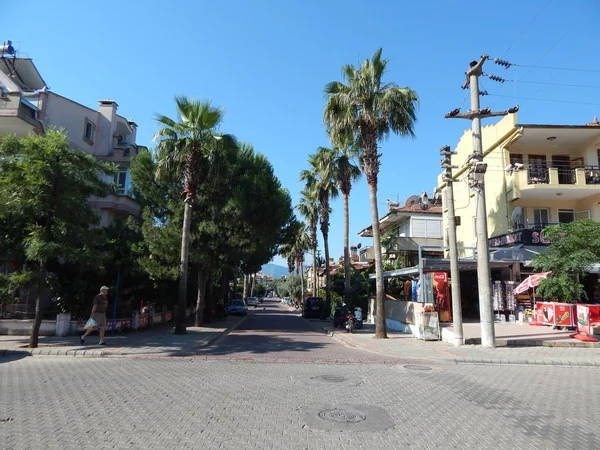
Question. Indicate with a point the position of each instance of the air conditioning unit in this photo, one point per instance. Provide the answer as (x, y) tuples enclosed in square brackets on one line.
[(518, 218)]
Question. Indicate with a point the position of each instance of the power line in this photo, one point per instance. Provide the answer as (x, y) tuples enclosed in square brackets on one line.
[(545, 99), (548, 83), (573, 69), (526, 27)]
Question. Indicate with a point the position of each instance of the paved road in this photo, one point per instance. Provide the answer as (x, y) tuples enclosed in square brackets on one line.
[(275, 332), (274, 383)]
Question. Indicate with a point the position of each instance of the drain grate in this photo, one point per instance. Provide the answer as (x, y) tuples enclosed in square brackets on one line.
[(416, 367), (342, 416), (8, 419), (330, 378)]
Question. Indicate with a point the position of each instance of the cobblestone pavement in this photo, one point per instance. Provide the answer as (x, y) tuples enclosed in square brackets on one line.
[(275, 383), (77, 403)]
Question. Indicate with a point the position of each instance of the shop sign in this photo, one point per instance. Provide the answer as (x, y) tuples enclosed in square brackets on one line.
[(525, 237)]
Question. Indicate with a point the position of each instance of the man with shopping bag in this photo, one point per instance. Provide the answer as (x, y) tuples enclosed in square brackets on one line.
[(98, 317)]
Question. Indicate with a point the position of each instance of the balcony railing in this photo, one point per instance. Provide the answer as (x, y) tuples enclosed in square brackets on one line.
[(563, 175)]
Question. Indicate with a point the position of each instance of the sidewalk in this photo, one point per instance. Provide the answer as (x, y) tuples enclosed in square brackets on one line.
[(157, 341), (406, 346)]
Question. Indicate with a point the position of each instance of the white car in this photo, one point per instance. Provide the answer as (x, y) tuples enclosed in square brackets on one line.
[(252, 301)]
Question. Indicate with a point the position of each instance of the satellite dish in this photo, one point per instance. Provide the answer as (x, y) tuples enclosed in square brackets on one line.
[(412, 200), (424, 205)]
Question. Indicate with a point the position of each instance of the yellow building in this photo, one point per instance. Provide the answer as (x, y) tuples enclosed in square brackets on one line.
[(537, 175)]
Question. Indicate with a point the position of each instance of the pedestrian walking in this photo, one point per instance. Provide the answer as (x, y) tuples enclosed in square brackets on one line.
[(98, 315)]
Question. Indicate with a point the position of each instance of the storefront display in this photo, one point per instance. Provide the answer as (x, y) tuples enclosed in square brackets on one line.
[(555, 314), (588, 319), (441, 294)]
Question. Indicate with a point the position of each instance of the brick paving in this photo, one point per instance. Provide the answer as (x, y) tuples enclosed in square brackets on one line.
[(262, 387), (77, 403)]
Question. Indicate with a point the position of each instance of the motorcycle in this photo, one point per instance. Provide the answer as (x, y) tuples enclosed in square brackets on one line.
[(342, 314), (349, 323)]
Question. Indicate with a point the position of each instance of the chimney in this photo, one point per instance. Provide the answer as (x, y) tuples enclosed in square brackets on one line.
[(106, 127), (594, 122), (134, 127)]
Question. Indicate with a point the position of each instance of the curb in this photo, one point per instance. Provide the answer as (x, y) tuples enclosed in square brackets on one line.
[(104, 353), (474, 361)]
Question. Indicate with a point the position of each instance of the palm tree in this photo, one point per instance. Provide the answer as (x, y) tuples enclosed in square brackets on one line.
[(370, 110), (309, 208), (320, 178), (182, 147), (346, 172)]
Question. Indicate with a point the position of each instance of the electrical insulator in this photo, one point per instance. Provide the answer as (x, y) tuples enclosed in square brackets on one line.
[(496, 78), (502, 62), (483, 93)]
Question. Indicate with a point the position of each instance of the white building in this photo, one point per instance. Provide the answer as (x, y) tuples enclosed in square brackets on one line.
[(27, 106)]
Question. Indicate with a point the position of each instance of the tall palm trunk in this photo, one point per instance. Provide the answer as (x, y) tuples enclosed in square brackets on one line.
[(380, 327), (201, 299), (347, 287), (314, 257), (183, 270), (40, 306)]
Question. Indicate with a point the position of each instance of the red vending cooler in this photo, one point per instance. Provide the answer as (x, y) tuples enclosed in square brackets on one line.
[(587, 317), (555, 314)]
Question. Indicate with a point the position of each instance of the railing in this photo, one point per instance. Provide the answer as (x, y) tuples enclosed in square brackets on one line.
[(592, 175), (566, 175), (538, 175)]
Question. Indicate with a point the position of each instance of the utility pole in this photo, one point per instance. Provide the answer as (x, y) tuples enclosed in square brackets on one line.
[(476, 181), (457, 321)]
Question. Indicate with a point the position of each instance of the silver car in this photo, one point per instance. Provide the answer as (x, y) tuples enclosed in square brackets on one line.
[(252, 301)]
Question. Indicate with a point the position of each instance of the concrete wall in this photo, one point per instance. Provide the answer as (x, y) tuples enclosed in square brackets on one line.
[(61, 112), (14, 327), (399, 315)]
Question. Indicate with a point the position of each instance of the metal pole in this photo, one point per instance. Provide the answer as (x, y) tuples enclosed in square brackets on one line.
[(114, 316), (421, 280), (483, 263), (457, 321)]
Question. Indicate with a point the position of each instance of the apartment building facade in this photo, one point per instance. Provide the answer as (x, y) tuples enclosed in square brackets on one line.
[(28, 106), (537, 176)]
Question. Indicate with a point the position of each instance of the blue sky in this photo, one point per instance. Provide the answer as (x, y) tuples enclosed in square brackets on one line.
[(266, 63)]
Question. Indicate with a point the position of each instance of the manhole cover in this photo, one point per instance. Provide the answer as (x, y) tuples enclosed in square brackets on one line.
[(416, 367), (330, 378), (342, 416)]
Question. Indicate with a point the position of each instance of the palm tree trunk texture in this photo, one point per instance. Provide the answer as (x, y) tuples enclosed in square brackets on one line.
[(200, 300), (347, 287), (40, 306), (380, 327), (327, 287), (183, 271)]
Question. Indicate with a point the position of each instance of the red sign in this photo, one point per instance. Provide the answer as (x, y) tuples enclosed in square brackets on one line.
[(587, 317), (556, 314), (441, 294)]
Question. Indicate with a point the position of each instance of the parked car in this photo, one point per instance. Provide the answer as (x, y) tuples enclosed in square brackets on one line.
[(313, 306), (286, 300), (260, 299), (237, 307), (252, 301)]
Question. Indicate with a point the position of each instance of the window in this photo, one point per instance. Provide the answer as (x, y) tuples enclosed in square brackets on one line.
[(122, 182), (540, 217), (88, 131), (566, 215), (581, 215)]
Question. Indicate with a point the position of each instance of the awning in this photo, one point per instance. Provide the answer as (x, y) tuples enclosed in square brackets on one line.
[(442, 265)]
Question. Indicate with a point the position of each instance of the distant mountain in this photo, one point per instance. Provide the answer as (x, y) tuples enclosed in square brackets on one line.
[(274, 270)]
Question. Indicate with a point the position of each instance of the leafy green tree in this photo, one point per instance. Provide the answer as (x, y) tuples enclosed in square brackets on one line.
[(321, 179), (370, 109), (183, 146), (46, 184), (574, 248)]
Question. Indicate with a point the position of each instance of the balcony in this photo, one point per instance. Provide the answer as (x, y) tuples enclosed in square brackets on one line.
[(18, 116), (541, 182)]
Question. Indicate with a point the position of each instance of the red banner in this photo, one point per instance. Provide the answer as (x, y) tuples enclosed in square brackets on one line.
[(441, 294)]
